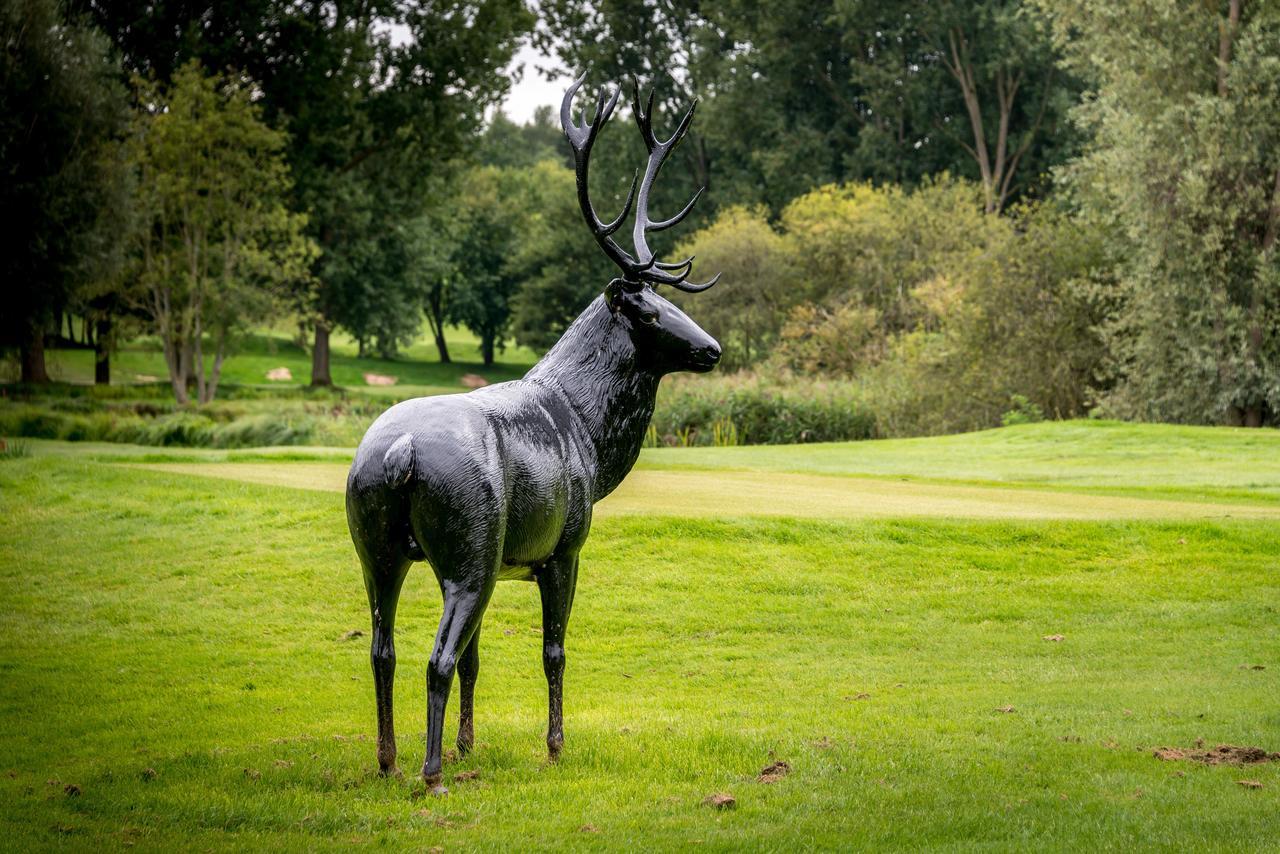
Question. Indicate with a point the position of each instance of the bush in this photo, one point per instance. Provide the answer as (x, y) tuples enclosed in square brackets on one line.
[(750, 409)]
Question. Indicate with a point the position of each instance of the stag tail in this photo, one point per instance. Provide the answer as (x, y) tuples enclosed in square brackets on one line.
[(641, 267), (397, 462)]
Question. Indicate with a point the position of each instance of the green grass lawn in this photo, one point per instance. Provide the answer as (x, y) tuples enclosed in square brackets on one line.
[(417, 368), (173, 647)]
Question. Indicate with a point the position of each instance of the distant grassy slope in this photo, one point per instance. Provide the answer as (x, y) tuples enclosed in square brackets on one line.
[(1153, 461), (1061, 453), (417, 366)]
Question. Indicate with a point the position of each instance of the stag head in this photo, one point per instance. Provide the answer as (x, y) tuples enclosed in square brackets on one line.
[(661, 331)]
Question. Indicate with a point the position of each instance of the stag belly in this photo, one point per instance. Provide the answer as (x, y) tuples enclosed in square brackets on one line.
[(538, 514)]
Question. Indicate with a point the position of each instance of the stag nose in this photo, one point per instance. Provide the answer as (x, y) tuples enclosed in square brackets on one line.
[(707, 356)]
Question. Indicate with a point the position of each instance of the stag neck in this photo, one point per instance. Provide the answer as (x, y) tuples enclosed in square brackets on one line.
[(594, 366)]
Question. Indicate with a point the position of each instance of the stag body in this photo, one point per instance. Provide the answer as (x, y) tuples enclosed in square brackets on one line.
[(499, 483)]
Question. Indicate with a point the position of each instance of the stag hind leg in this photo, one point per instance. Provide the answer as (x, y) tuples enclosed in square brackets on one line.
[(464, 605), (556, 582), (468, 670), (383, 583)]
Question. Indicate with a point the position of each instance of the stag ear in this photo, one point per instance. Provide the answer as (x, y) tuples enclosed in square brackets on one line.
[(613, 295)]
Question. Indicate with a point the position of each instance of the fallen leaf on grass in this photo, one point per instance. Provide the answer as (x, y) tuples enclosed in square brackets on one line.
[(1005, 710), (775, 772), (588, 828), (1055, 638), (1250, 784), (464, 776), (720, 801)]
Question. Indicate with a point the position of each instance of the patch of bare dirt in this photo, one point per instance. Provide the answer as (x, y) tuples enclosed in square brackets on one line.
[(473, 381), (588, 828), (721, 801), (1055, 638), (352, 635), (1250, 784), (774, 772), (1223, 754), (1005, 710), (464, 776), (277, 375), (379, 379)]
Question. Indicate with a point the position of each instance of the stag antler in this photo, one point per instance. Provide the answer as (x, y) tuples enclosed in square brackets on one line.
[(642, 266)]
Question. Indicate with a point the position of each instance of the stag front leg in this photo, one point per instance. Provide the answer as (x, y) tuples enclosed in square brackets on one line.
[(556, 582)]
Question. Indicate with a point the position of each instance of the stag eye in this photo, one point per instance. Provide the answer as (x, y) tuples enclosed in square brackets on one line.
[(649, 318)]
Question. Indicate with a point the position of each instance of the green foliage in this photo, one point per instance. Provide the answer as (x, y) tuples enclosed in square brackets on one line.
[(183, 428), (490, 207), (13, 450), (755, 262), (562, 266), (1023, 412), (753, 410), (217, 247), (63, 113), (1184, 180)]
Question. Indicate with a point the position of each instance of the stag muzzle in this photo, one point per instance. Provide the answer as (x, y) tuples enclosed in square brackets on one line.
[(705, 355)]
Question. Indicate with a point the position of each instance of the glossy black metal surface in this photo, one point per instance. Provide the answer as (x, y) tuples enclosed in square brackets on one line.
[(499, 483)]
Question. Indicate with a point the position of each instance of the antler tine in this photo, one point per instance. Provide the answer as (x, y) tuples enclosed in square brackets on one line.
[(690, 288), (664, 224), (580, 140), (663, 265), (658, 152)]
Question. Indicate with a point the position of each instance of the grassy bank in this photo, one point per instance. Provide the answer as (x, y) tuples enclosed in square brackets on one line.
[(178, 672)]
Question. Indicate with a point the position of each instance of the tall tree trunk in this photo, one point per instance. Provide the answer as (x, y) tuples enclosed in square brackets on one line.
[(435, 319), (211, 388), (177, 368), (486, 350), (320, 357), (102, 352), (442, 346), (33, 367)]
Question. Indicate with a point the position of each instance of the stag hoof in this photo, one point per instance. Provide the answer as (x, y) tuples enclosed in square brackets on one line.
[(553, 750), (391, 771)]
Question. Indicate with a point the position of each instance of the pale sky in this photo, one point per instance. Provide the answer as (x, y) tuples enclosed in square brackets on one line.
[(533, 90)]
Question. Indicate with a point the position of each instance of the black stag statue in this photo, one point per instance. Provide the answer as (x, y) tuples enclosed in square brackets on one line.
[(499, 483)]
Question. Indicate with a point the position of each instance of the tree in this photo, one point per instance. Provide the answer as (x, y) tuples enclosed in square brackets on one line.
[(761, 286), (490, 209), (370, 119), (1183, 174), (562, 266), (217, 247), (62, 120)]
